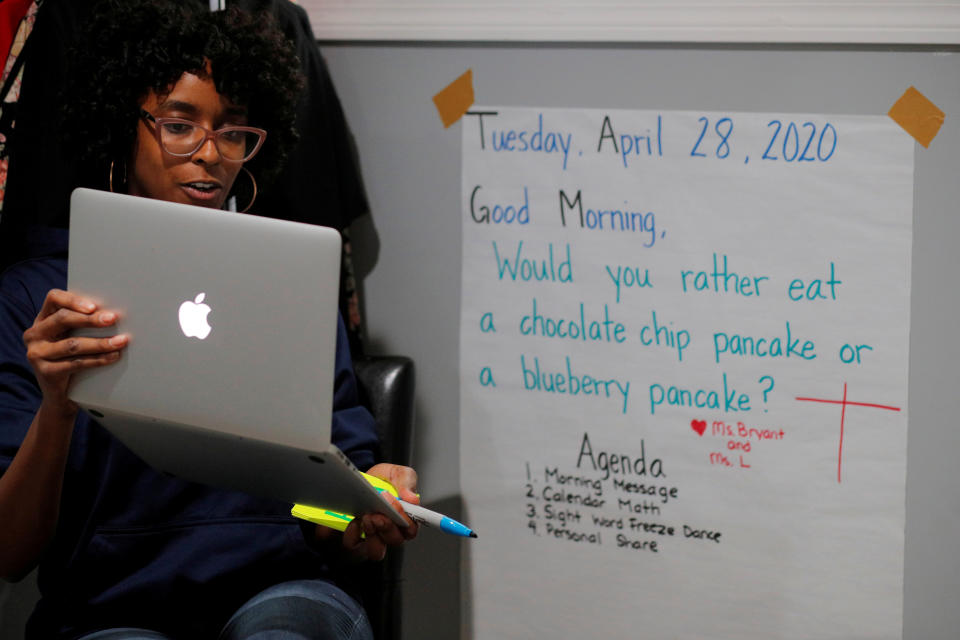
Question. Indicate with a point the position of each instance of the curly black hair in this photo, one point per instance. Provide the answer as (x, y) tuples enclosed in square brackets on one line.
[(131, 47)]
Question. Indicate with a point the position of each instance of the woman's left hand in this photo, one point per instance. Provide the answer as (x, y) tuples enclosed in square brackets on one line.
[(369, 535)]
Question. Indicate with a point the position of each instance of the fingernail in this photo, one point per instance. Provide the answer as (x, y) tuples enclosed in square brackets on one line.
[(118, 341), (87, 306), (107, 317)]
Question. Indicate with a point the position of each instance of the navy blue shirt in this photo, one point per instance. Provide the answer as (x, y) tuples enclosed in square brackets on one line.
[(135, 547)]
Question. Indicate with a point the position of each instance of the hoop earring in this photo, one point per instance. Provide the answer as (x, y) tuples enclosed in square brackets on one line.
[(254, 196), (110, 175)]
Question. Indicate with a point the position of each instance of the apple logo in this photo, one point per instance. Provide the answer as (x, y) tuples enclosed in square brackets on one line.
[(193, 318)]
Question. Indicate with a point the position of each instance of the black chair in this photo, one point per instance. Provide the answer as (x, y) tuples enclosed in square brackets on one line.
[(386, 385)]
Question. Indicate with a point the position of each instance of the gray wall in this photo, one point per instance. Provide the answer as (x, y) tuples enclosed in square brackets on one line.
[(409, 252)]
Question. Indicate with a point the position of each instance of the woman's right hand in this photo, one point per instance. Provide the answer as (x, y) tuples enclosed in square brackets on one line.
[(31, 488), (56, 355)]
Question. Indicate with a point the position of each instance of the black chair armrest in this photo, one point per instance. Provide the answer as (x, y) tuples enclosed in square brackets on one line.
[(386, 387)]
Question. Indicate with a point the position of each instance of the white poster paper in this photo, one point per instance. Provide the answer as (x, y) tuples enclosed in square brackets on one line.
[(684, 354)]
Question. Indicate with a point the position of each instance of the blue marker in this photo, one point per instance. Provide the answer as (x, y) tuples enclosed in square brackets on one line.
[(434, 519)]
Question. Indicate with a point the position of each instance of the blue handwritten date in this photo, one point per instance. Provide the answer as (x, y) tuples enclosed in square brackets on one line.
[(789, 142)]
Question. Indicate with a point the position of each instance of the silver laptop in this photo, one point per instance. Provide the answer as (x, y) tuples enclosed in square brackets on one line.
[(228, 376)]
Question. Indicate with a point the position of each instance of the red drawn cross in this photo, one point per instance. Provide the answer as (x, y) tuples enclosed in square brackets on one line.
[(843, 412)]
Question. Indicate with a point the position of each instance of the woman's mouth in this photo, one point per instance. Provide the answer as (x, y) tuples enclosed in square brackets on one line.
[(200, 190)]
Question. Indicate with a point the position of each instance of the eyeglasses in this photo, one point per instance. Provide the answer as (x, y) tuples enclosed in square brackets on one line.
[(182, 138)]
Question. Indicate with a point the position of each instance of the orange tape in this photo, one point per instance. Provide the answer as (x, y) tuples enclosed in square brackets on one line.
[(917, 115), (454, 101)]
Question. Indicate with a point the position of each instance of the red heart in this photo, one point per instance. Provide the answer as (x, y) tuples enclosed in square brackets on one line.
[(699, 426)]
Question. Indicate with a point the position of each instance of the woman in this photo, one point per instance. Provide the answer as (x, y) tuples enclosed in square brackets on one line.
[(171, 104)]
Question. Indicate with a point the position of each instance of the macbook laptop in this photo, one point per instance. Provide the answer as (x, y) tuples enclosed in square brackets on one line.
[(228, 376)]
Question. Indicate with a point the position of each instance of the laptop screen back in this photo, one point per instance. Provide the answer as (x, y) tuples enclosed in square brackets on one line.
[(232, 317)]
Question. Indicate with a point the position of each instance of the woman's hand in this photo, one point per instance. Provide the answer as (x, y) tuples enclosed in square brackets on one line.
[(31, 487), (380, 531), (55, 355)]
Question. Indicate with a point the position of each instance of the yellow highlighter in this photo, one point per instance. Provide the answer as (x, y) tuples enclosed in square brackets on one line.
[(335, 519)]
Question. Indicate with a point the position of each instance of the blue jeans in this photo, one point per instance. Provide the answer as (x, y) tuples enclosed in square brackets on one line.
[(298, 610)]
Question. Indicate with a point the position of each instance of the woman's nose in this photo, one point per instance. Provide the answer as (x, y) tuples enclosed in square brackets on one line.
[(207, 153)]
